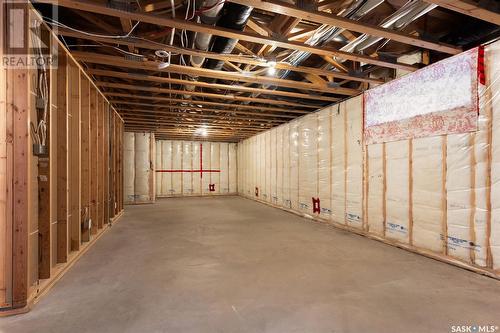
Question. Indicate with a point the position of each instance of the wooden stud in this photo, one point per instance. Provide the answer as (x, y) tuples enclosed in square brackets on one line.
[(94, 185)]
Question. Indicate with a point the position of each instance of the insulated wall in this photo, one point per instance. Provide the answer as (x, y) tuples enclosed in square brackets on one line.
[(191, 168), (139, 160), (437, 195), (313, 165)]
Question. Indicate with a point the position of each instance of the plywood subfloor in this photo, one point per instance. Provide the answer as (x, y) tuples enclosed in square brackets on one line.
[(234, 265)]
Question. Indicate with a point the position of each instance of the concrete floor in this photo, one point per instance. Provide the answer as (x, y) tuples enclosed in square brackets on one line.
[(234, 265)]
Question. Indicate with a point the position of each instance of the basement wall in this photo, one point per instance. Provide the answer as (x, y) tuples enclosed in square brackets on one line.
[(193, 168), (45, 199), (139, 157), (438, 196)]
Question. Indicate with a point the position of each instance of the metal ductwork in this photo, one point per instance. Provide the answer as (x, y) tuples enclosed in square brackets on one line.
[(202, 40), (235, 17), (410, 12), (325, 33)]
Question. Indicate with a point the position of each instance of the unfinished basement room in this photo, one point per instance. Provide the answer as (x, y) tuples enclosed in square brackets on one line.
[(267, 166)]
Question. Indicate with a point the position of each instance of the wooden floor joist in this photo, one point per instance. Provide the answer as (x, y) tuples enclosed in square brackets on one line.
[(250, 77), (94, 7), (254, 61)]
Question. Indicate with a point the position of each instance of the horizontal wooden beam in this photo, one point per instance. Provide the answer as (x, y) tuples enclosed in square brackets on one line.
[(159, 107), (280, 7), (254, 61), (214, 104), (152, 78), (200, 94), (187, 117), (175, 114), (103, 59), (187, 108), (195, 126), (97, 8), (198, 123), (468, 8)]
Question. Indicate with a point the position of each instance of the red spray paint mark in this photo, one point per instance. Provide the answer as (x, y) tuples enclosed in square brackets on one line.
[(316, 208), (481, 72), (201, 171)]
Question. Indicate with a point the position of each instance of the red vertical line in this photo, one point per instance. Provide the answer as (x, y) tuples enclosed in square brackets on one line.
[(182, 164), (191, 160), (201, 160)]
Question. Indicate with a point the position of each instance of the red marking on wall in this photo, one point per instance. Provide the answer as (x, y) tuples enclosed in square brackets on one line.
[(180, 170), (316, 208), (200, 170), (480, 66)]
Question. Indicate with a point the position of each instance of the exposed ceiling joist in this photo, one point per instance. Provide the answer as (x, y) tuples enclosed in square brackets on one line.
[(156, 112), (468, 8), (216, 104), (224, 57), (152, 78), (200, 94), (120, 103), (223, 32), (97, 58), (284, 8)]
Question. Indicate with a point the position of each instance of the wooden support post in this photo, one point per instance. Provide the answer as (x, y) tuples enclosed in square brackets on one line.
[(100, 161), (86, 150), (62, 160), (107, 175), (93, 159), (18, 137), (75, 153)]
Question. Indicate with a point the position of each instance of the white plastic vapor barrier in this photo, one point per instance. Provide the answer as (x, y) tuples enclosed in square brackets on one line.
[(437, 195), (191, 168), (138, 167)]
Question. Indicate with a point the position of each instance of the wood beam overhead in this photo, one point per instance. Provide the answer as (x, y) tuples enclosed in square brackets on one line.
[(468, 8), (94, 7), (225, 105), (224, 57), (145, 77), (197, 122), (119, 104), (102, 59), (177, 114), (200, 94), (280, 7)]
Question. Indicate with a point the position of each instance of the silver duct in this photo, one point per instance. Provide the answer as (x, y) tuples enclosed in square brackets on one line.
[(410, 12), (326, 33), (202, 40)]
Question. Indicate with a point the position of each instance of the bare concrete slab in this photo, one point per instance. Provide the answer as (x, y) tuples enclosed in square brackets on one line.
[(234, 265)]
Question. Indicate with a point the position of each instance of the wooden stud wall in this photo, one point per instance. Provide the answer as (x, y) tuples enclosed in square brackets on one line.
[(46, 198)]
